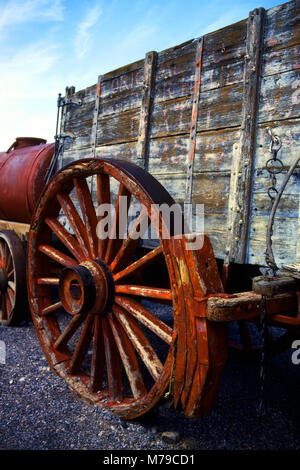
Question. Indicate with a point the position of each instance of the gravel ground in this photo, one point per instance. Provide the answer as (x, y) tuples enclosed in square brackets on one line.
[(37, 410)]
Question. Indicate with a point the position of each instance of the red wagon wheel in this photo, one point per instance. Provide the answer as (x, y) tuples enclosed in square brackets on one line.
[(13, 296), (105, 325)]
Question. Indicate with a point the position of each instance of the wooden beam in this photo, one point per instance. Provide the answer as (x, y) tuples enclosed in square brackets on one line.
[(146, 107), (95, 116), (70, 91), (243, 159)]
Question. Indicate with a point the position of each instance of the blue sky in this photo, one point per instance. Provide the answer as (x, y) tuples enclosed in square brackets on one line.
[(49, 44)]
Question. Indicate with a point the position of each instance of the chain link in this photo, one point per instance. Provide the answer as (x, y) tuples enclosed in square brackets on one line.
[(274, 166), (261, 408)]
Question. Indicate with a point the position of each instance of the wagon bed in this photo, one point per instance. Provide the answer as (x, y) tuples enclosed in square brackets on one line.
[(196, 116)]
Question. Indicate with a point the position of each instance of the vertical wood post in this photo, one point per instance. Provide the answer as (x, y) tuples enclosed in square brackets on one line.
[(193, 127), (243, 159), (68, 93), (146, 107), (95, 117)]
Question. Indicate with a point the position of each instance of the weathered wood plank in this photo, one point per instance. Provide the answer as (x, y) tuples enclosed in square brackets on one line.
[(280, 96), (282, 60), (284, 242), (118, 128), (282, 26)]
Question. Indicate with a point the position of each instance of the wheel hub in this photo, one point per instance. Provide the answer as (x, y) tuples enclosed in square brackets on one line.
[(87, 287), (3, 279)]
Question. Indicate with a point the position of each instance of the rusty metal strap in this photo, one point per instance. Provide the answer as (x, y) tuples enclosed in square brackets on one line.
[(194, 117)]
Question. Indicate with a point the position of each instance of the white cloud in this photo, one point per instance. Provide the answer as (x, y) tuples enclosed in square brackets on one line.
[(28, 92), (16, 11), (83, 37), (22, 75)]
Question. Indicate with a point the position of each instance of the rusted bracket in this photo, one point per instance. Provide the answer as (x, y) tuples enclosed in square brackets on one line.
[(146, 107), (243, 160), (193, 126), (62, 104), (72, 101)]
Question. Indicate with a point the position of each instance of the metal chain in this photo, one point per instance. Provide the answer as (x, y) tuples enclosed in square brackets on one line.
[(274, 166), (261, 408)]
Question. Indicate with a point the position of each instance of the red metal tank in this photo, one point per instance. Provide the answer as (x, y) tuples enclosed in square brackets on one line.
[(22, 177)]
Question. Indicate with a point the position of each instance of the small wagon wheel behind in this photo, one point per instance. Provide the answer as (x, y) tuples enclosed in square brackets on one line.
[(13, 295)]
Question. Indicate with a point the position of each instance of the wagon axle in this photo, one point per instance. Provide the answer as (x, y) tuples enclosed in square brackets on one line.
[(88, 287)]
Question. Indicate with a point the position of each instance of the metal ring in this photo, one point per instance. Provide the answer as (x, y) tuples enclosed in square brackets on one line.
[(274, 170)]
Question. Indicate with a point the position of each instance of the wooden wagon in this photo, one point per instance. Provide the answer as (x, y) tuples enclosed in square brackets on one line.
[(213, 123)]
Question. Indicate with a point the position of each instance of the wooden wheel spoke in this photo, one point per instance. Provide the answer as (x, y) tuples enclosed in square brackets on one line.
[(12, 285), (103, 197), (82, 345), (140, 342), (113, 363), (9, 303), (142, 291), (9, 261), (130, 244), (69, 331), (147, 318), (57, 255), (51, 308), (115, 239), (10, 274), (48, 281), (3, 255), (98, 356), (88, 213), (75, 221), (11, 295), (140, 264), (129, 359), (66, 238)]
